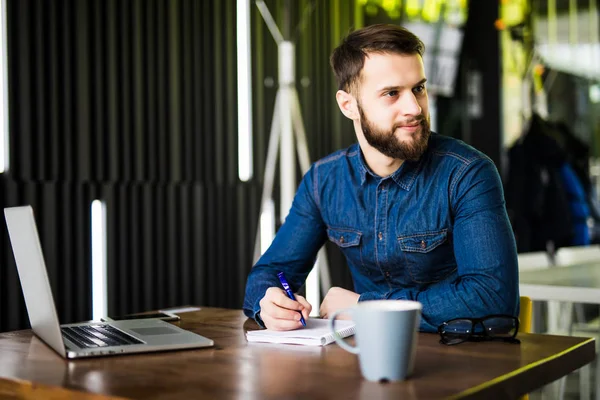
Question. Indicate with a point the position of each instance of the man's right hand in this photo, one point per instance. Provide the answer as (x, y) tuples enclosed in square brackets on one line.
[(280, 313)]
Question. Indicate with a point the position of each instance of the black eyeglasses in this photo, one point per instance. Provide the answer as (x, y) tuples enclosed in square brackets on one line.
[(492, 327)]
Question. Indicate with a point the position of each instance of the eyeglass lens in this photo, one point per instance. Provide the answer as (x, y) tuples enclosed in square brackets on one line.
[(457, 331), (500, 327)]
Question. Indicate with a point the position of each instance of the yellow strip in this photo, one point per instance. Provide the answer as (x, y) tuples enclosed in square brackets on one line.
[(501, 378)]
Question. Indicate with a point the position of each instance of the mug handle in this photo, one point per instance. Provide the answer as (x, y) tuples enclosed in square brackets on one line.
[(338, 339)]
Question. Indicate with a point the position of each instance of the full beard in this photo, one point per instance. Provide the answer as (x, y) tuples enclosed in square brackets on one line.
[(388, 144)]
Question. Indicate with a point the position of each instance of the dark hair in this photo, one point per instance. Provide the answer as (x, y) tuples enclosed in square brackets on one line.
[(348, 59)]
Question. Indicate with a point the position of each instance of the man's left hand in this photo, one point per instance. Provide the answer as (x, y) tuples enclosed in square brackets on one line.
[(337, 299)]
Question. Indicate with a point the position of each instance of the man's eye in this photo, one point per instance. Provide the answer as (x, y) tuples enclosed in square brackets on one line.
[(392, 93), (419, 89)]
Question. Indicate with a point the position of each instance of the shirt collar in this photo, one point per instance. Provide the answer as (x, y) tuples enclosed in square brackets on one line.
[(363, 168), (404, 176)]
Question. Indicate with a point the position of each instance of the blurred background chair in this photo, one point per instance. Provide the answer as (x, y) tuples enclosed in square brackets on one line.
[(533, 261), (525, 315), (560, 314)]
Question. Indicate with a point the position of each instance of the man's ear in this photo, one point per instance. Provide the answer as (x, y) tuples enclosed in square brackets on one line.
[(347, 104)]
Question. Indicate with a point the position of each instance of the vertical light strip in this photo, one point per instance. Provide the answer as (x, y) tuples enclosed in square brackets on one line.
[(99, 287), (4, 137), (267, 226), (573, 30), (594, 37), (552, 25), (573, 25), (244, 91)]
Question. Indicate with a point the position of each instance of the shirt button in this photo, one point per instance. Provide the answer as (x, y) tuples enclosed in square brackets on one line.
[(380, 235), (342, 240), (423, 244), (387, 274)]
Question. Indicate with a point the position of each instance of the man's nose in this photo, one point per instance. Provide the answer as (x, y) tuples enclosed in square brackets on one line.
[(409, 105)]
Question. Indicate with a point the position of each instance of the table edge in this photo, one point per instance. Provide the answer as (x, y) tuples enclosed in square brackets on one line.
[(486, 385)]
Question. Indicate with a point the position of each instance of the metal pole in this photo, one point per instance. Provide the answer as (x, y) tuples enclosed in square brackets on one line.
[(269, 176), (266, 14)]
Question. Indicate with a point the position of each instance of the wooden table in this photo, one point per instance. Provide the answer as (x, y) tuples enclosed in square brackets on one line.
[(236, 369)]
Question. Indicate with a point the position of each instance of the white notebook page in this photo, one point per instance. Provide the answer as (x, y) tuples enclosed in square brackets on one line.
[(316, 333)]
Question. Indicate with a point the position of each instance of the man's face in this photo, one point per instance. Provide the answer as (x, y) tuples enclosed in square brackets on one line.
[(393, 105)]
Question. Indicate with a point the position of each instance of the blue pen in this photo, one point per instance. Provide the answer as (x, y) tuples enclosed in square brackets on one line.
[(287, 289)]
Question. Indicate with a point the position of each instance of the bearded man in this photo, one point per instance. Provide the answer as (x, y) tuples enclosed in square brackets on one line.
[(418, 215)]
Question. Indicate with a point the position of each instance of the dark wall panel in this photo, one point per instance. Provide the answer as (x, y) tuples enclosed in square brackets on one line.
[(62, 212), (134, 102)]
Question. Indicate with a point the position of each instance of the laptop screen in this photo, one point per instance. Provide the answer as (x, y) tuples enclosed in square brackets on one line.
[(33, 276)]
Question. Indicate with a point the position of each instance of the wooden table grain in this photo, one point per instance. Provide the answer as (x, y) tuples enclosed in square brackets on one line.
[(235, 369)]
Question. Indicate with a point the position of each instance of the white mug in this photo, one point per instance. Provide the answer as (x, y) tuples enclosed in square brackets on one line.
[(386, 337)]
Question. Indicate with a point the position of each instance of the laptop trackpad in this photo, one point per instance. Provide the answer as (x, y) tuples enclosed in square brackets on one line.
[(154, 331)]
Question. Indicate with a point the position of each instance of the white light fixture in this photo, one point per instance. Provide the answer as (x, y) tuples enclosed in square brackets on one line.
[(267, 226), (244, 91), (99, 287), (595, 93), (4, 149)]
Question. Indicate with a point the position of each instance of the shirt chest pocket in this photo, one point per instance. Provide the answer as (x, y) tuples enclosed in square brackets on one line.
[(349, 242), (428, 256)]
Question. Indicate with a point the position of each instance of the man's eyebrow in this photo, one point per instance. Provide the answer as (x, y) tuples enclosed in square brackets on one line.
[(389, 88)]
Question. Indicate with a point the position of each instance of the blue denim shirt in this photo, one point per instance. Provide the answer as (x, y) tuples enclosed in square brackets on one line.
[(435, 231)]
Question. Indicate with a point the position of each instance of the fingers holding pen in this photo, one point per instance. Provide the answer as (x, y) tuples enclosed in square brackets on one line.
[(279, 312), (279, 297), (307, 307), (275, 311)]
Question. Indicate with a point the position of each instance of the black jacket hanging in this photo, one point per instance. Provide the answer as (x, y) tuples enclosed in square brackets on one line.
[(536, 199)]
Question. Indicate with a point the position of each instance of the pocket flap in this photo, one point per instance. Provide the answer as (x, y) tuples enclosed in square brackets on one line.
[(422, 242), (344, 237)]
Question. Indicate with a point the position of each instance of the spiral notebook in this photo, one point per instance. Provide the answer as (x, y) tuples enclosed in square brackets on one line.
[(316, 333)]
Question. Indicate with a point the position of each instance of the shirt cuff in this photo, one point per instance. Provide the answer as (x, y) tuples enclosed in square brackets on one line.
[(258, 319)]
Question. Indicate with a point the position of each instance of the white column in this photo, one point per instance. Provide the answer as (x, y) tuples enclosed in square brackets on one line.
[(99, 287), (244, 91), (4, 136)]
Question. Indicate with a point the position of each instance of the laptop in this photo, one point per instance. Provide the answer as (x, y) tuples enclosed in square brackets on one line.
[(89, 339)]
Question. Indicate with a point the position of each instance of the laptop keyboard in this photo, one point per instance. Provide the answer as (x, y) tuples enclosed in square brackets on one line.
[(91, 336)]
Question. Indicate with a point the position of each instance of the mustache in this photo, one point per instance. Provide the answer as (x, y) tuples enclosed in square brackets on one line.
[(420, 119)]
